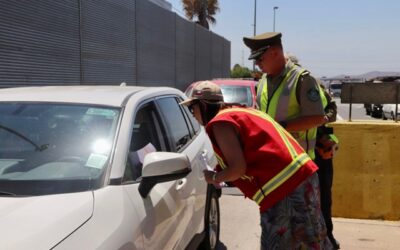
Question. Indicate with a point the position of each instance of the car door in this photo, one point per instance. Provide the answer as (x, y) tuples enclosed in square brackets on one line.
[(199, 151), (165, 211)]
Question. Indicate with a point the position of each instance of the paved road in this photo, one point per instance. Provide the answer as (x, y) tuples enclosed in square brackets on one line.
[(357, 111), (240, 228)]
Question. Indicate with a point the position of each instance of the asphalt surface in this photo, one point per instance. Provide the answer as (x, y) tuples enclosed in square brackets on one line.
[(357, 111), (240, 227)]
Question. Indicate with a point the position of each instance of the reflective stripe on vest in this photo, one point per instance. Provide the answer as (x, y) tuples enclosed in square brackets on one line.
[(284, 106), (281, 177), (282, 132), (298, 160), (334, 138), (223, 166), (262, 93)]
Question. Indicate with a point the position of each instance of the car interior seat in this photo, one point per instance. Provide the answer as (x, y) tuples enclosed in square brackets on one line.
[(140, 137)]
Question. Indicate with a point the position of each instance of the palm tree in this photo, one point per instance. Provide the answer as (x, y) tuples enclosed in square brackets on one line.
[(204, 10)]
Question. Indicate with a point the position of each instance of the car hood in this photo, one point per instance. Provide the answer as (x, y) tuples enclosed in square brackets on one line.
[(41, 222)]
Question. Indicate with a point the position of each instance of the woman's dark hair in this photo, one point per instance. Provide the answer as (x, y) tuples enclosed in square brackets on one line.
[(209, 110)]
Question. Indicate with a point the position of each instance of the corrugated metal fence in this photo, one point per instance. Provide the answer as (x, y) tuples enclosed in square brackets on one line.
[(69, 42)]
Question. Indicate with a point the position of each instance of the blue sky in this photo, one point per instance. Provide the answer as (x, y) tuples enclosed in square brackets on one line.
[(329, 37)]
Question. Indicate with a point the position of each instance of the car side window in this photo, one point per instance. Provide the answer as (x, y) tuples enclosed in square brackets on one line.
[(176, 122), (147, 136), (194, 124)]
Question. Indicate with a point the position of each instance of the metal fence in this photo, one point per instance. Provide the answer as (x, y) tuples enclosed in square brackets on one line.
[(70, 42)]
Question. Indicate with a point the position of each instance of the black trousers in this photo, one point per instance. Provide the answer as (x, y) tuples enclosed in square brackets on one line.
[(325, 174)]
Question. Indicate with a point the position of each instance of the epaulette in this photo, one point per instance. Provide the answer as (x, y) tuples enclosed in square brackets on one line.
[(305, 73)]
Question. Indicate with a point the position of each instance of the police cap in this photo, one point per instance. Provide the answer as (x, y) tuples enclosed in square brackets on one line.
[(260, 43)]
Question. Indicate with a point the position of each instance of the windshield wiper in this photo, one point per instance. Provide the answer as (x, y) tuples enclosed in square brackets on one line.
[(37, 147), (4, 193)]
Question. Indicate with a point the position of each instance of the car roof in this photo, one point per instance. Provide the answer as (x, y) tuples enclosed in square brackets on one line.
[(97, 95), (234, 82)]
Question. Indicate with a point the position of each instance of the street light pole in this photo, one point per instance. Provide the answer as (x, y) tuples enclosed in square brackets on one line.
[(255, 17), (275, 8), (255, 23)]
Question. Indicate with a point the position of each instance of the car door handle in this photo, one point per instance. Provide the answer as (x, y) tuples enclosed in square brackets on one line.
[(181, 183), (205, 160)]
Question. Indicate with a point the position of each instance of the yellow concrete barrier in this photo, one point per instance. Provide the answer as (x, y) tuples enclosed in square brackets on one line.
[(367, 170)]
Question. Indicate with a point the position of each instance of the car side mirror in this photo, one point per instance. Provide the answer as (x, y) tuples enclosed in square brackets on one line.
[(162, 167)]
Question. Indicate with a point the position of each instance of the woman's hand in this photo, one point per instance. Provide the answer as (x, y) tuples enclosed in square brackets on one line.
[(208, 175)]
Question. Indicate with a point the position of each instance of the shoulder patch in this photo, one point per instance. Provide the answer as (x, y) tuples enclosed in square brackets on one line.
[(313, 95)]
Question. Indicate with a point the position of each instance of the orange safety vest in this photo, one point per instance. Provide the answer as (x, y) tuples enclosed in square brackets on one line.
[(275, 163)]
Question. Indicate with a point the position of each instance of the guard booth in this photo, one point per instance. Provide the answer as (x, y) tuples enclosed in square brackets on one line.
[(367, 165)]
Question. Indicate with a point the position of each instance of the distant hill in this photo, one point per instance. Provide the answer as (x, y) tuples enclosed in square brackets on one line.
[(370, 75)]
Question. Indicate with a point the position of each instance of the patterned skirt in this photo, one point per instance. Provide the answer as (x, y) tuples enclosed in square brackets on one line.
[(296, 222)]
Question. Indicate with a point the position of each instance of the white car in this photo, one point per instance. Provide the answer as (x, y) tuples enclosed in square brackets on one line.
[(103, 167), (336, 89), (389, 111)]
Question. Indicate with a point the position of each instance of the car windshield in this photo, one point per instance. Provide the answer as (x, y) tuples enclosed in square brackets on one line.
[(49, 148), (336, 86), (237, 94)]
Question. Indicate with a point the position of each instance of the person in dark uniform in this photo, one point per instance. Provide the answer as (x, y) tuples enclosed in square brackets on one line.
[(326, 146)]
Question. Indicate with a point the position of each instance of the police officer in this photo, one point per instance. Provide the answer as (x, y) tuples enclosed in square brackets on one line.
[(287, 92), (326, 146), (292, 96)]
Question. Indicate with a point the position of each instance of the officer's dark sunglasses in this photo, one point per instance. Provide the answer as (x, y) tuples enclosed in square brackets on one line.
[(260, 52)]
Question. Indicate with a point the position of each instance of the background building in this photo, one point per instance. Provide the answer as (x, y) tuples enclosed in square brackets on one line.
[(162, 3)]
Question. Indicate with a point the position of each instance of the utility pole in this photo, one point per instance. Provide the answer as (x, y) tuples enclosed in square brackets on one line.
[(255, 24), (242, 58), (275, 8)]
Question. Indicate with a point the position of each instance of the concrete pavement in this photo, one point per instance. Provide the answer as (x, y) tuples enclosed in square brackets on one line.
[(240, 227)]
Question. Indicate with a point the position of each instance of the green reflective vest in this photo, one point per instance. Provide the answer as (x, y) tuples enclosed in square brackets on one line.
[(284, 106)]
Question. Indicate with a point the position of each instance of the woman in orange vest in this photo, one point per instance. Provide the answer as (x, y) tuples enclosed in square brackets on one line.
[(267, 164)]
